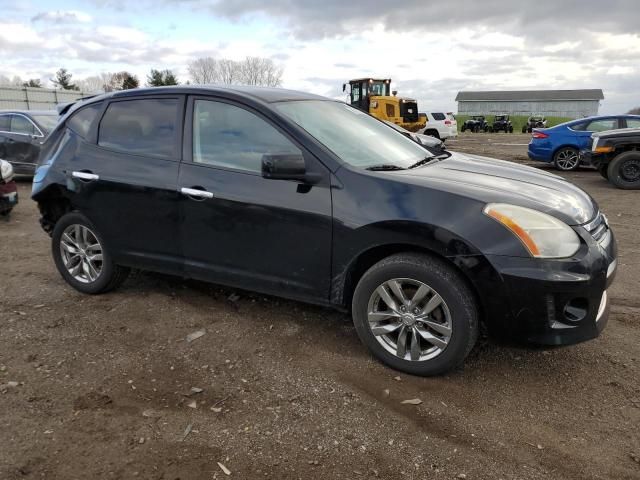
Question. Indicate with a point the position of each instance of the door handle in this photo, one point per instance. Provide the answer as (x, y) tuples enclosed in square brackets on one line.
[(88, 176), (195, 192)]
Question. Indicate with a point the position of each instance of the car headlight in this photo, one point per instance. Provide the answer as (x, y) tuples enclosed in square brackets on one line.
[(6, 171), (542, 235)]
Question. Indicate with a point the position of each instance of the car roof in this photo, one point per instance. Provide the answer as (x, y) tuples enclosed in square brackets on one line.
[(262, 94), (602, 117), (31, 112)]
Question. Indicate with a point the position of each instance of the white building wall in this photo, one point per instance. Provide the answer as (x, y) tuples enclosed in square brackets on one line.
[(569, 108)]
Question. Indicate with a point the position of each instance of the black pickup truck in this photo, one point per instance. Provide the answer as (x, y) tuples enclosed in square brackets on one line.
[(616, 155)]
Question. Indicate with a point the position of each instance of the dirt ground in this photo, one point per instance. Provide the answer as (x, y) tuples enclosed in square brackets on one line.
[(100, 387)]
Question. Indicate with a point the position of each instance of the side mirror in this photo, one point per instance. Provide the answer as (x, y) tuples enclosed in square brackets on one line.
[(344, 87), (284, 166)]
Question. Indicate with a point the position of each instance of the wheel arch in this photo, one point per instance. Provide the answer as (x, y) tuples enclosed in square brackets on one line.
[(345, 284)]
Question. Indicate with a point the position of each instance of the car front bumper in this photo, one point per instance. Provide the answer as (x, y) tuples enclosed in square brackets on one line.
[(8, 196), (554, 302)]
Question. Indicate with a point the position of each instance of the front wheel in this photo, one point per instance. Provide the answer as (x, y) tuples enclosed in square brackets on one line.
[(416, 314), (566, 159), (624, 170), (81, 257)]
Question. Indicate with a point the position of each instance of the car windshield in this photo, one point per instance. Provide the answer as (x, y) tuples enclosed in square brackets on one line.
[(499, 118), (354, 136), (47, 122)]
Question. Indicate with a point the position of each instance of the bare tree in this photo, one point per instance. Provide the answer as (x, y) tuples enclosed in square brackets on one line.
[(229, 71), (250, 71), (203, 70), (91, 84), (634, 111), (260, 71)]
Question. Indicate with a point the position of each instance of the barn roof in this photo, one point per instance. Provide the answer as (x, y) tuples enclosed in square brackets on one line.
[(531, 95)]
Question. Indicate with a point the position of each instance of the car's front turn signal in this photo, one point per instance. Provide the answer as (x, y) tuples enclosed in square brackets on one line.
[(542, 235)]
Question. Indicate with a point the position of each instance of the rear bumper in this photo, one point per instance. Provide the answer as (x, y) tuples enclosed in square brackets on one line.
[(8, 196), (539, 154), (553, 302)]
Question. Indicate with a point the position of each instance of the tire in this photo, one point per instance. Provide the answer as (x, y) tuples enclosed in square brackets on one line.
[(510, 129), (457, 311), (624, 170), (566, 159), (524, 129), (603, 169), (81, 236), (462, 129)]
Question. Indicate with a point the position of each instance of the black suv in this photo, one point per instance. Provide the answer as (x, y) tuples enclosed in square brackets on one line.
[(475, 124), (21, 134), (296, 195), (501, 123), (616, 155)]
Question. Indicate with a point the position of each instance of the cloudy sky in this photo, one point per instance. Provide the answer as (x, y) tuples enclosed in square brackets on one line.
[(430, 49)]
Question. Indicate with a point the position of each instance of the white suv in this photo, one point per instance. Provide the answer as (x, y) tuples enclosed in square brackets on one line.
[(440, 125)]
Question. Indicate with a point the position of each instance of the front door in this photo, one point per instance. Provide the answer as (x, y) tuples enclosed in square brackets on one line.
[(241, 229), (19, 142)]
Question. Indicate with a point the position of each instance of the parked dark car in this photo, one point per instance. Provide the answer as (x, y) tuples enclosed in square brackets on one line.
[(561, 145), (8, 189), (475, 124), (21, 134), (501, 123), (433, 144), (616, 155), (534, 121), (299, 196)]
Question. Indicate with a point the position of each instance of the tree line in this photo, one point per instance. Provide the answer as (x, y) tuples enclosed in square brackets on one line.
[(257, 71)]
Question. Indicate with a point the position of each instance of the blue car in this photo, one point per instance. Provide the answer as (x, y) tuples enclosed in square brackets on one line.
[(561, 144)]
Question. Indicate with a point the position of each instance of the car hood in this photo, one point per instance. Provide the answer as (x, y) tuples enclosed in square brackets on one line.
[(489, 180)]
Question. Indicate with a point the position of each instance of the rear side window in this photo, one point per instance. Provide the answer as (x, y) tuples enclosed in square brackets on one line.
[(602, 125), (20, 124), (438, 116), (578, 126), (631, 123), (81, 121), (141, 127), (5, 123), (229, 136)]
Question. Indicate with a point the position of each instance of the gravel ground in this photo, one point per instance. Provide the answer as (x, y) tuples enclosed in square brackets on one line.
[(109, 387)]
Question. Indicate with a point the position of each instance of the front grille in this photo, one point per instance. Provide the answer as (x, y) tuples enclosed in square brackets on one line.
[(598, 227)]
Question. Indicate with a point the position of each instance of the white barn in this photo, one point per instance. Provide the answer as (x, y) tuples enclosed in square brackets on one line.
[(550, 103)]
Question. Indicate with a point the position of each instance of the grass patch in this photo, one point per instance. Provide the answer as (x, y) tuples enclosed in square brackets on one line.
[(518, 121)]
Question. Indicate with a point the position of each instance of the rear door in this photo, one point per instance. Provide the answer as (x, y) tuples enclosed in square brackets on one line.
[(126, 178), (239, 228)]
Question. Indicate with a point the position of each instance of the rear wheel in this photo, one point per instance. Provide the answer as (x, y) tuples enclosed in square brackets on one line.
[(416, 314), (524, 129), (511, 129), (81, 257), (624, 170), (566, 159)]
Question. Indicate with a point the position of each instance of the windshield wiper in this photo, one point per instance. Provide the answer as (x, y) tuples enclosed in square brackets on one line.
[(424, 161), (385, 166)]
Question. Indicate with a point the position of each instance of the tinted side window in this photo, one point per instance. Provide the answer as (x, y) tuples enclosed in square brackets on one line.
[(142, 127), (631, 123), (438, 116), (602, 125), (81, 121), (229, 136), (20, 124), (578, 126), (5, 123)]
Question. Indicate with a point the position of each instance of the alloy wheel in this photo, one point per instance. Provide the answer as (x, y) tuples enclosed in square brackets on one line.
[(81, 253), (567, 159), (409, 319)]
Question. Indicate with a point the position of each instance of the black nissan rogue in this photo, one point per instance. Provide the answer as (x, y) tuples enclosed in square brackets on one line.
[(304, 197)]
